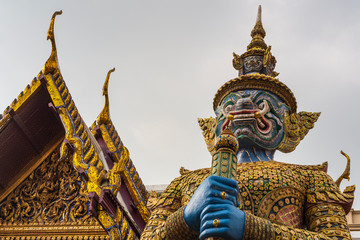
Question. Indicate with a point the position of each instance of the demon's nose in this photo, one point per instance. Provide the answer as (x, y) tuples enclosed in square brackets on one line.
[(245, 103)]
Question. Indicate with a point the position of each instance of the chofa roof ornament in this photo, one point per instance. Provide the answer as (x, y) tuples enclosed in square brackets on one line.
[(104, 116), (52, 64)]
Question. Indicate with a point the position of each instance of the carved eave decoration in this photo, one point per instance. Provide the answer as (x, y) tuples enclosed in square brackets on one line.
[(52, 202), (122, 174)]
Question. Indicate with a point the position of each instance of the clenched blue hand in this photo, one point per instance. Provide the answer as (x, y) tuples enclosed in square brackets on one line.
[(209, 194), (231, 222)]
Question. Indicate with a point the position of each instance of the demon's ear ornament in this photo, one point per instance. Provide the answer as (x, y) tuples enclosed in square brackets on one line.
[(238, 63), (208, 126), (297, 125), (267, 56)]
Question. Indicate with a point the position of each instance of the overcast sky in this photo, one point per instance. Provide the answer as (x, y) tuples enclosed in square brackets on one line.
[(172, 56)]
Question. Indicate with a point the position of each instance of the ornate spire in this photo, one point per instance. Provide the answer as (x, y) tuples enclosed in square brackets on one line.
[(52, 64), (258, 57), (256, 70), (258, 34), (104, 116)]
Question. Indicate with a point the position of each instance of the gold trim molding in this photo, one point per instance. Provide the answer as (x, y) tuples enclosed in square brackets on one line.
[(53, 230)]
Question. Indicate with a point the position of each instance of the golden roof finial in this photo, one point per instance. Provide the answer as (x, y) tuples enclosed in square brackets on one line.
[(105, 113), (258, 33), (51, 64)]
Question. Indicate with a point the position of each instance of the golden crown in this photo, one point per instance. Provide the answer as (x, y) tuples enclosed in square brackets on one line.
[(256, 70)]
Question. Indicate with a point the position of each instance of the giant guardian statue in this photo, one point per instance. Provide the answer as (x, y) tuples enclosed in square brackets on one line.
[(247, 194)]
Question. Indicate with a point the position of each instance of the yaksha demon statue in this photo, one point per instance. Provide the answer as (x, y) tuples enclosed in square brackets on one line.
[(246, 194)]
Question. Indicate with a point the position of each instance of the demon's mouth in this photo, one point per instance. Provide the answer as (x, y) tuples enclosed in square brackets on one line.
[(252, 116)]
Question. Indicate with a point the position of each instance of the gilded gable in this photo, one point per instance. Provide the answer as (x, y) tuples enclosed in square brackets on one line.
[(51, 202)]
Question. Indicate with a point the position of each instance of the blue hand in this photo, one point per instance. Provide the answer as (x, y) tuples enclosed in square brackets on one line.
[(231, 222), (209, 192)]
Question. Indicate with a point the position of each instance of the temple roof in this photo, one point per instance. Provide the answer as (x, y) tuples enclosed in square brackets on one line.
[(29, 130), (43, 129)]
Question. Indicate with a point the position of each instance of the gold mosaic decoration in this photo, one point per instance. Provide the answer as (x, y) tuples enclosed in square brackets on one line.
[(297, 125), (276, 192)]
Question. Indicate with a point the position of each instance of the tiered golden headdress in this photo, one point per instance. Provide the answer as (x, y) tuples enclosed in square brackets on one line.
[(256, 71)]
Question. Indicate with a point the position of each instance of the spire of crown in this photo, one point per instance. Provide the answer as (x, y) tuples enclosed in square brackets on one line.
[(257, 58), (256, 71), (258, 34)]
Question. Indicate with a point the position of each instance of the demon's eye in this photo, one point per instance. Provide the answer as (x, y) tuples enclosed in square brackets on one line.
[(228, 109), (228, 106), (261, 104)]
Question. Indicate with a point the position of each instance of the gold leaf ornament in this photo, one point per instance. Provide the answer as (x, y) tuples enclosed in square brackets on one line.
[(207, 126), (346, 173), (267, 56), (237, 62), (52, 65), (104, 116), (297, 125)]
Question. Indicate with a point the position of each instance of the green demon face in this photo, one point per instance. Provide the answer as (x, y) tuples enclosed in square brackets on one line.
[(258, 117)]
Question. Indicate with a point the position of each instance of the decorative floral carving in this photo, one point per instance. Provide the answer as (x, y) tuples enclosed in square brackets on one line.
[(297, 125), (52, 193)]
